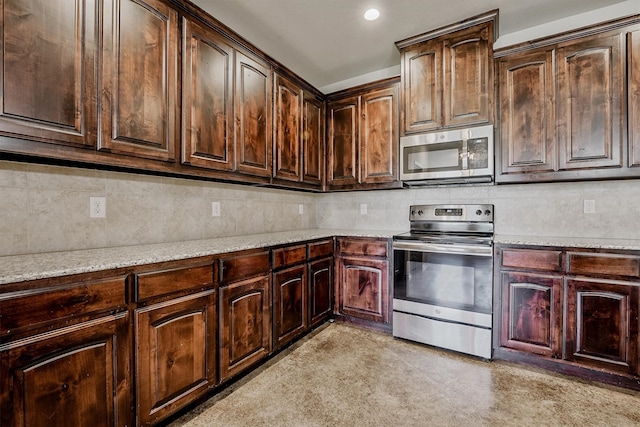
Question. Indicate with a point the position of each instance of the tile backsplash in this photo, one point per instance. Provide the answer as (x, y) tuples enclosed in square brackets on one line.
[(46, 208)]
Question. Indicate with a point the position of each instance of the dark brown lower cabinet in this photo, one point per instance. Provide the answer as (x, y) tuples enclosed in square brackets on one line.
[(175, 354), (245, 324), (320, 290), (72, 376), (532, 313), (602, 323), (289, 304)]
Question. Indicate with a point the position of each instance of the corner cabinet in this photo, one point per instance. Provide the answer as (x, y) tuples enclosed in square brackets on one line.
[(447, 76), (363, 137), (362, 281), (572, 310), (563, 110)]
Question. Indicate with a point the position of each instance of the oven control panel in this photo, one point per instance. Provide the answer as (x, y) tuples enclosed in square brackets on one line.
[(475, 213)]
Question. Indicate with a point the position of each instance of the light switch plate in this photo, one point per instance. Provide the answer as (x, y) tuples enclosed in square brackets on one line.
[(215, 208), (301, 209)]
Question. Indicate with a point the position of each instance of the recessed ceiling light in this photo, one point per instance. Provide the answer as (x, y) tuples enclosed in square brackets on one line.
[(371, 14)]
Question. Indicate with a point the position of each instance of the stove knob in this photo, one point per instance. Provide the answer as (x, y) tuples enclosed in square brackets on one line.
[(478, 212), (487, 212), (420, 212), (413, 212)]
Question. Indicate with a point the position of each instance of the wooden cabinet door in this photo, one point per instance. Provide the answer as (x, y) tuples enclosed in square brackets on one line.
[(320, 290), (468, 82), (288, 115), (207, 89), (527, 113), (73, 376), (175, 345), (422, 87), (379, 136), (532, 313), (49, 62), (289, 304), (364, 286), (633, 52), (140, 84), (313, 152), (252, 100), (590, 102), (602, 323), (245, 325), (344, 142)]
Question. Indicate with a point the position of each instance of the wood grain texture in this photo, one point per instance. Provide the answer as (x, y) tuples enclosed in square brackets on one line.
[(320, 274), (633, 49), (343, 142), (290, 255), (319, 249), (313, 143), (422, 86), (363, 247), (603, 264), (290, 306), (243, 265), (287, 130), (364, 287), (532, 259), (207, 90)]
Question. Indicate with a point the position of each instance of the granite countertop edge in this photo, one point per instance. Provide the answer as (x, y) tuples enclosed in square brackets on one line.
[(21, 268), (569, 242)]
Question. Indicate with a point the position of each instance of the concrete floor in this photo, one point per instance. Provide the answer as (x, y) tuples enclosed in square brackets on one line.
[(342, 375)]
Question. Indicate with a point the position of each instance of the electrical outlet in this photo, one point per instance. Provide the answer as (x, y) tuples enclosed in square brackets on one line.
[(589, 206), (363, 209), (97, 207), (301, 209), (215, 208)]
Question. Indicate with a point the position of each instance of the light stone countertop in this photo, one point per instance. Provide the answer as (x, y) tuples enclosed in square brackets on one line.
[(19, 268), (576, 242)]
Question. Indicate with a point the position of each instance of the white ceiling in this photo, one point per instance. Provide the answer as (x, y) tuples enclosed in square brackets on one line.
[(328, 41)]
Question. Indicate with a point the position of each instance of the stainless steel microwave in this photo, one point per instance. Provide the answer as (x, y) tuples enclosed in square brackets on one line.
[(453, 156)]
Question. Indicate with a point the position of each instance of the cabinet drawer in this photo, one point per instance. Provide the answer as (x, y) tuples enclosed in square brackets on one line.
[(367, 247), (532, 259), (163, 282), (289, 256), (244, 266), (320, 249), (36, 307), (604, 264)]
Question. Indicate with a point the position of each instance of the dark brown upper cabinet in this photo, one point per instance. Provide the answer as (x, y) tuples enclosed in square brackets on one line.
[(207, 89), (49, 64), (563, 106), (447, 76), (363, 137), (633, 51), (252, 115), (287, 129), (313, 151), (140, 58)]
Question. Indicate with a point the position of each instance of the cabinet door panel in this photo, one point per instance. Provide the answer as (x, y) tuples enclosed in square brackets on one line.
[(72, 376), (379, 136), (422, 86), (320, 290), (590, 102), (49, 63), (527, 119), (313, 125), (633, 46), (344, 129), (245, 324), (288, 116), (140, 79), (175, 356), (289, 304), (363, 289), (253, 116), (207, 76), (532, 313), (468, 86), (602, 323)]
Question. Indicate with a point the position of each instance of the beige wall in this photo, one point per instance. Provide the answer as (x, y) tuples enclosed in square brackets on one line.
[(46, 208)]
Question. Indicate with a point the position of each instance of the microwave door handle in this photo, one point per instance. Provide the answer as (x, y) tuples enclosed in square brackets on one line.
[(465, 155)]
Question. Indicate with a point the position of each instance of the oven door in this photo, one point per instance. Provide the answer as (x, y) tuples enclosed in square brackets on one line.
[(455, 276)]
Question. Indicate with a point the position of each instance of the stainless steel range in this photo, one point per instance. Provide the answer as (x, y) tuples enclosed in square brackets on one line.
[(443, 278)]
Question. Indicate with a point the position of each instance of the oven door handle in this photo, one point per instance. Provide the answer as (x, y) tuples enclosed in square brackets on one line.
[(474, 250)]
